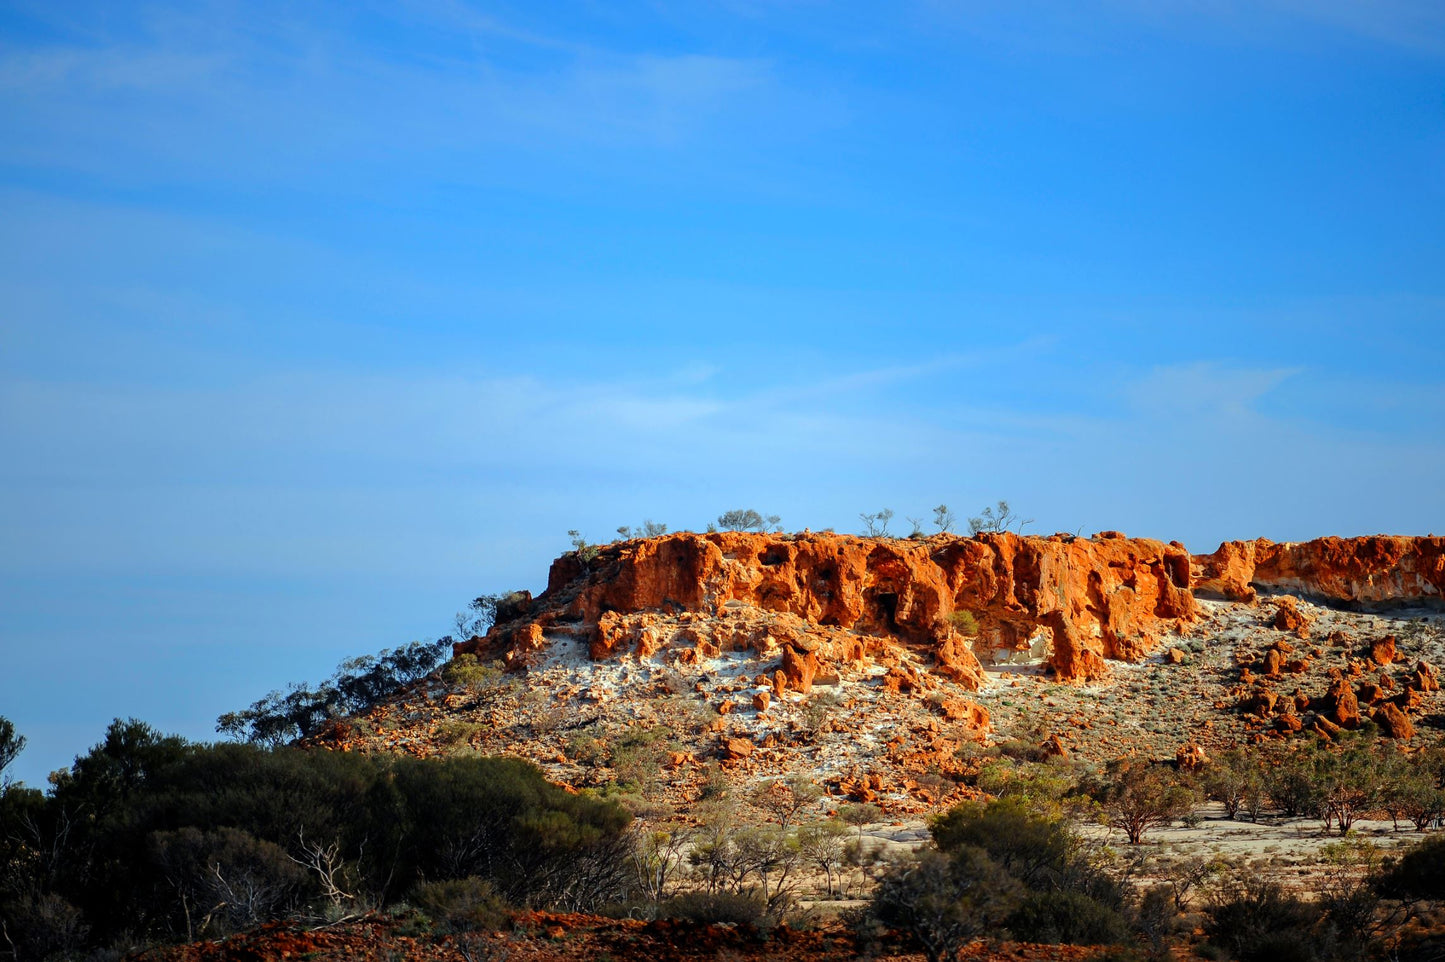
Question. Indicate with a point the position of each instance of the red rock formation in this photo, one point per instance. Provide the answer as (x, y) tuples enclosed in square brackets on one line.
[(1371, 570), (818, 601), (1106, 598)]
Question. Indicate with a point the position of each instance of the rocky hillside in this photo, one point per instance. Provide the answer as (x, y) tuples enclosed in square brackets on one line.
[(870, 664)]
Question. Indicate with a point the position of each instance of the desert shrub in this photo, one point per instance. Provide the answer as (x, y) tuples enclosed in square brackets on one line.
[(996, 519), (587, 750), (637, 756), (237, 879), (1233, 778), (42, 925), (1418, 874), (964, 623), (11, 743), (465, 671), (735, 908), (1002, 864), (875, 525), (945, 900), (1066, 917), (1256, 920), (484, 611), (456, 731), (461, 905)]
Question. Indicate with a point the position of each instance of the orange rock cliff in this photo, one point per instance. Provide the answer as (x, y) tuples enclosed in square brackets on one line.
[(820, 600)]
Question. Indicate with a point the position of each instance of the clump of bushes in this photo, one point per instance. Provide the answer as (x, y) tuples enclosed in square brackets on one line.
[(151, 837), (1001, 866)]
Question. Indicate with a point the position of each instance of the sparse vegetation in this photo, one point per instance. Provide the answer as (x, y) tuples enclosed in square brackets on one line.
[(359, 683), (746, 519), (875, 525), (996, 519), (648, 529)]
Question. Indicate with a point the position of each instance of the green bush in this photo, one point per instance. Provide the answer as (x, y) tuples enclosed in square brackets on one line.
[(463, 904), (1418, 874), (1066, 918), (964, 623), (710, 908), (1255, 920), (145, 833), (465, 671)]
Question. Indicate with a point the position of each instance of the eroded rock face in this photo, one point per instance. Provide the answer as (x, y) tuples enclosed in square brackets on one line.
[(1376, 570), (1093, 599), (814, 602)]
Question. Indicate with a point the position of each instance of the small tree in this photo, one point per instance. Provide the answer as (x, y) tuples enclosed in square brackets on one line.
[(876, 525), (746, 519), (1232, 778), (859, 815), (1137, 797), (785, 800), (11, 743), (586, 553), (821, 844), (944, 519), (997, 519)]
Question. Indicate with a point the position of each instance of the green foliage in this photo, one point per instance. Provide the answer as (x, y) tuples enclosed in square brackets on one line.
[(945, 901), (1418, 874), (586, 553), (637, 755), (712, 908), (466, 671), (1067, 917), (359, 683), (161, 838), (1236, 779), (1138, 796), (1044, 784), (457, 732), (1002, 864), (484, 611), (237, 879), (462, 905), (648, 529), (964, 623), (943, 519), (1255, 920)]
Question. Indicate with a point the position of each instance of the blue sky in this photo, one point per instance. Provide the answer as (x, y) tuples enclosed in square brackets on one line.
[(317, 320)]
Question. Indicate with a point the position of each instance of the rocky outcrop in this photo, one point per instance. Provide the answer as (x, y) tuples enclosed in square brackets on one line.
[(1370, 571), (814, 602), (1082, 600)]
